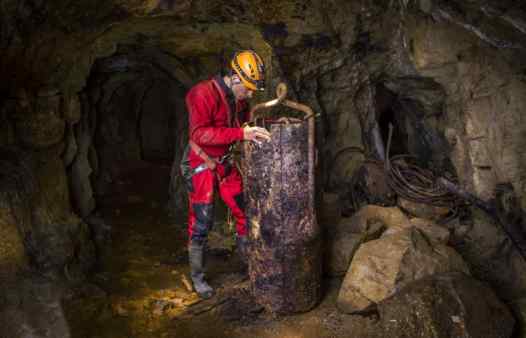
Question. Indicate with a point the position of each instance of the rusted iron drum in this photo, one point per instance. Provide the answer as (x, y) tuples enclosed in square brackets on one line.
[(284, 251)]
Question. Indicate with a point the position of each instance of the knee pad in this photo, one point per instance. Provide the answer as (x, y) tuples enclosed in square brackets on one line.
[(204, 219)]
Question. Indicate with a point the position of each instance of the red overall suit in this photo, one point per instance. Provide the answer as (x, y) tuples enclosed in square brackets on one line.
[(213, 126)]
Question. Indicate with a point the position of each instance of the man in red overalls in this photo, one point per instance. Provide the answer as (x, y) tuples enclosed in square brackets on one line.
[(217, 108)]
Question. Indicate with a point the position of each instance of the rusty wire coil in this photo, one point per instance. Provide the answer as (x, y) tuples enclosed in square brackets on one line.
[(413, 183), (417, 184)]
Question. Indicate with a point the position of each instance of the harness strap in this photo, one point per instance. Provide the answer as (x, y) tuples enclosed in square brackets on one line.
[(210, 162)]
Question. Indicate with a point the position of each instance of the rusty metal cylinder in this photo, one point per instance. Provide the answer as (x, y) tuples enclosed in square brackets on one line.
[(284, 251)]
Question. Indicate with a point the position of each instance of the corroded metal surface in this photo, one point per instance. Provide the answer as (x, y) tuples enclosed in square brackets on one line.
[(284, 259)]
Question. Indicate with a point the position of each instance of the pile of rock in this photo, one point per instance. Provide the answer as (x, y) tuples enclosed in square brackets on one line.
[(402, 267)]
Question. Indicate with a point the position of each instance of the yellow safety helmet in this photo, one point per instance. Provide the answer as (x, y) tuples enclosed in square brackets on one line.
[(250, 68)]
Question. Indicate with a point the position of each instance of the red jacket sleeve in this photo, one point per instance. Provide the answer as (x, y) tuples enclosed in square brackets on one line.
[(202, 105)]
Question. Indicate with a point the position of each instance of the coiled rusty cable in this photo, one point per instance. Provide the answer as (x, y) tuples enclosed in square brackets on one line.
[(414, 183), (409, 181), (420, 185)]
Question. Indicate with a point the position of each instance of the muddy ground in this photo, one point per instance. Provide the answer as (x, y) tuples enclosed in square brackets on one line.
[(141, 289)]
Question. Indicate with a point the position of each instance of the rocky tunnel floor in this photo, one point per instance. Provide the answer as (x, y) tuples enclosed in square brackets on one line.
[(142, 288)]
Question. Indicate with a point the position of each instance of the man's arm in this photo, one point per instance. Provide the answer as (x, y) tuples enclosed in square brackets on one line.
[(200, 106)]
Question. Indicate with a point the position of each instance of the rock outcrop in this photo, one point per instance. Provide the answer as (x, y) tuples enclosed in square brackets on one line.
[(382, 267), (446, 306)]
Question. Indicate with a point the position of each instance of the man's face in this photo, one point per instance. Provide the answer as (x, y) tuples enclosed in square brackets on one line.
[(240, 91)]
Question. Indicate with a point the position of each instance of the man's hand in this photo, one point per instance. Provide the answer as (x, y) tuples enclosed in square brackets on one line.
[(256, 134)]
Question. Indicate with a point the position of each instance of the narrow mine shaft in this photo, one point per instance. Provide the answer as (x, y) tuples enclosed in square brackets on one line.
[(272, 169)]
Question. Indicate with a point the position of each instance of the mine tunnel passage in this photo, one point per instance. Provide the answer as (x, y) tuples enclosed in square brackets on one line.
[(137, 112), (414, 108), (134, 110), (388, 113)]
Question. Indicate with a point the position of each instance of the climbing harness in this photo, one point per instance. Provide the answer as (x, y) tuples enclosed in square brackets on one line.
[(209, 162)]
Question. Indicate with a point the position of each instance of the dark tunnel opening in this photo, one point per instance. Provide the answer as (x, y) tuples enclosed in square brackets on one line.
[(137, 118), (133, 127), (131, 138), (388, 112)]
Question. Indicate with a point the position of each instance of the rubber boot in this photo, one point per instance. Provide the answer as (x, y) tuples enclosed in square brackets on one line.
[(196, 257)]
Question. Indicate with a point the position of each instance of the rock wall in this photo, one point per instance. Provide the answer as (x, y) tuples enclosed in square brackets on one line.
[(40, 228), (476, 53), (454, 71), (480, 65)]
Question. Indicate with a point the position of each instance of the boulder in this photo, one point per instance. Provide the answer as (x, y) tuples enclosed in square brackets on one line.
[(491, 255), (429, 228), (422, 210), (342, 245), (392, 217), (344, 238), (446, 306), (381, 267)]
